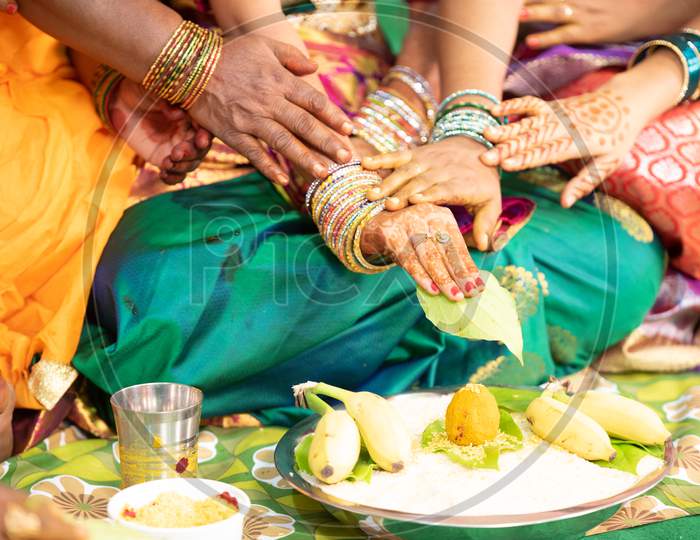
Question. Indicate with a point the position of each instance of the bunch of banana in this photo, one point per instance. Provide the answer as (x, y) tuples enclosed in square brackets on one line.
[(583, 423), (379, 424), (561, 424), (622, 417)]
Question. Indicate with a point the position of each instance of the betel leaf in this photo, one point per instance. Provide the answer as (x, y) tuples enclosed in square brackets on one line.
[(485, 456), (513, 399), (362, 471), (489, 316), (508, 426), (301, 454), (629, 454)]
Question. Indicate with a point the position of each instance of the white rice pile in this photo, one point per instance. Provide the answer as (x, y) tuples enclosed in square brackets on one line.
[(432, 483)]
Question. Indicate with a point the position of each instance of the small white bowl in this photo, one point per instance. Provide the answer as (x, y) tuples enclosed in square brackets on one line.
[(195, 488)]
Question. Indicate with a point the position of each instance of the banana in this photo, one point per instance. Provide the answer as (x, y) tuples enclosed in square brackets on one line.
[(623, 417), (577, 433), (385, 435), (335, 447), (383, 431)]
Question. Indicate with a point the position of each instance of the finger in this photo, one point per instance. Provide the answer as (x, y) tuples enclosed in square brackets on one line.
[(459, 261), (308, 128), (308, 98), (182, 167), (394, 181), (184, 151), (284, 142), (523, 105), (485, 220), (442, 194), (414, 188), (171, 178), (203, 139), (544, 134), (568, 33), (497, 134), (292, 58), (551, 13), (406, 257), (250, 148), (432, 261), (588, 178), (11, 7), (554, 151), (393, 160)]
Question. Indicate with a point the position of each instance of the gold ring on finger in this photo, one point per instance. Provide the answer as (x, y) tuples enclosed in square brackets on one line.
[(419, 238)]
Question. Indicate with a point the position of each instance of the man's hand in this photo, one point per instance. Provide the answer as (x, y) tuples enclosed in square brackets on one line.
[(256, 94)]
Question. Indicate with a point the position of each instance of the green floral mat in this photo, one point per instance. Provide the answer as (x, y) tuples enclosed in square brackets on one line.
[(80, 475)]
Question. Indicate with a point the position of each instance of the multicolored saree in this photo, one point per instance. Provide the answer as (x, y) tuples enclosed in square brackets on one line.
[(227, 287)]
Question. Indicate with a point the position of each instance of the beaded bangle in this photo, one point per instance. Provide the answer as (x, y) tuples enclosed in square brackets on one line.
[(686, 51), (419, 85), (105, 82), (469, 92), (338, 205), (185, 65), (465, 122)]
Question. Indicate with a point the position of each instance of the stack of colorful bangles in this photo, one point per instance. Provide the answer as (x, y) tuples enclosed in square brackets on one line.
[(686, 46), (465, 119), (338, 205), (179, 75), (388, 123), (185, 65)]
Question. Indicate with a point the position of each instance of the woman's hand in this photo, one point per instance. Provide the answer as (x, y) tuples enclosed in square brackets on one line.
[(604, 21), (425, 240), (445, 173), (256, 94), (596, 127), (34, 521), (161, 134), (9, 6)]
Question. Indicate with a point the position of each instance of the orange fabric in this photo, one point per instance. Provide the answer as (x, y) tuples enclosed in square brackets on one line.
[(63, 188)]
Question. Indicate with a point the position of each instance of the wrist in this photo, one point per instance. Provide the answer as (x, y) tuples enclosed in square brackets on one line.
[(648, 101)]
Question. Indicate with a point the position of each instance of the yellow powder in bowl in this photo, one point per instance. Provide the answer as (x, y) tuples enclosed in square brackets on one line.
[(173, 510)]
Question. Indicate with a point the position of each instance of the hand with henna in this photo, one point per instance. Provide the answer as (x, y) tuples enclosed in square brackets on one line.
[(7, 407), (425, 240), (599, 127), (595, 127), (445, 173), (161, 134), (605, 21)]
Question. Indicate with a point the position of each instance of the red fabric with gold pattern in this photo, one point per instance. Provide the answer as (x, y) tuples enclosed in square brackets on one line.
[(660, 177)]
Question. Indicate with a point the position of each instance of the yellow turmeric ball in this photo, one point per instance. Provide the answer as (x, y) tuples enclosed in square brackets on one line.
[(472, 416)]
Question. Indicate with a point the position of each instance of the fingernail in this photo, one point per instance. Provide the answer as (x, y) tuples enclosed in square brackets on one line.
[(11, 9), (319, 170), (470, 288), (282, 179), (480, 283), (510, 163), (434, 287), (455, 291), (347, 128), (491, 156), (393, 200), (376, 190), (524, 13), (418, 196), (343, 155), (532, 41)]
